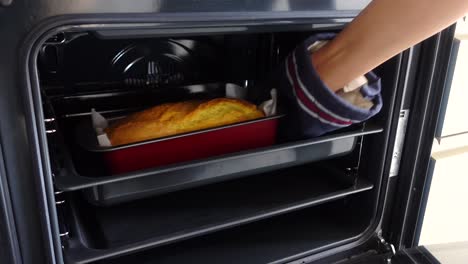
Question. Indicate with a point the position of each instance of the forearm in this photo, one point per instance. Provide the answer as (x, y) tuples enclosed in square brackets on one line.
[(382, 30)]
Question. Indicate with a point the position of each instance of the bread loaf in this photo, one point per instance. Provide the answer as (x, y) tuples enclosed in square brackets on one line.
[(182, 117)]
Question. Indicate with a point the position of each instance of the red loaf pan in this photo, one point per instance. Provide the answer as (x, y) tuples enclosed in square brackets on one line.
[(186, 147)]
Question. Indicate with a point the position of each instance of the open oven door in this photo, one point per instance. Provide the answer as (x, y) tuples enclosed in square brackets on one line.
[(415, 173), (421, 120)]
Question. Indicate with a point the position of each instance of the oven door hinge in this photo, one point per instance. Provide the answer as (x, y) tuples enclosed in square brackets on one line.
[(399, 142), (385, 248)]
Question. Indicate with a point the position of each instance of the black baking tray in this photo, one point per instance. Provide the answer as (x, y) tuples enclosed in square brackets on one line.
[(98, 233), (283, 239), (107, 190)]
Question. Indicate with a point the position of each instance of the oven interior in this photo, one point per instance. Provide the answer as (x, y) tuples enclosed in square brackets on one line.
[(278, 203)]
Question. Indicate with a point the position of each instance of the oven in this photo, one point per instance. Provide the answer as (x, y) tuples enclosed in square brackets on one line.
[(283, 200)]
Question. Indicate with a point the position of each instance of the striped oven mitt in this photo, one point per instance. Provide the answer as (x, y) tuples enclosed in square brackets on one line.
[(313, 109)]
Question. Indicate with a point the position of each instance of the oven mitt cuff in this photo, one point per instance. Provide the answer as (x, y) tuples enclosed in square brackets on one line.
[(316, 109)]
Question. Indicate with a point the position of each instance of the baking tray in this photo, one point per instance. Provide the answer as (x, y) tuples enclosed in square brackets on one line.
[(180, 148), (108, 190), (200, 211)]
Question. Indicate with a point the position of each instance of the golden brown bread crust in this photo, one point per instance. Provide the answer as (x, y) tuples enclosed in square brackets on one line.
[(175, 118)]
